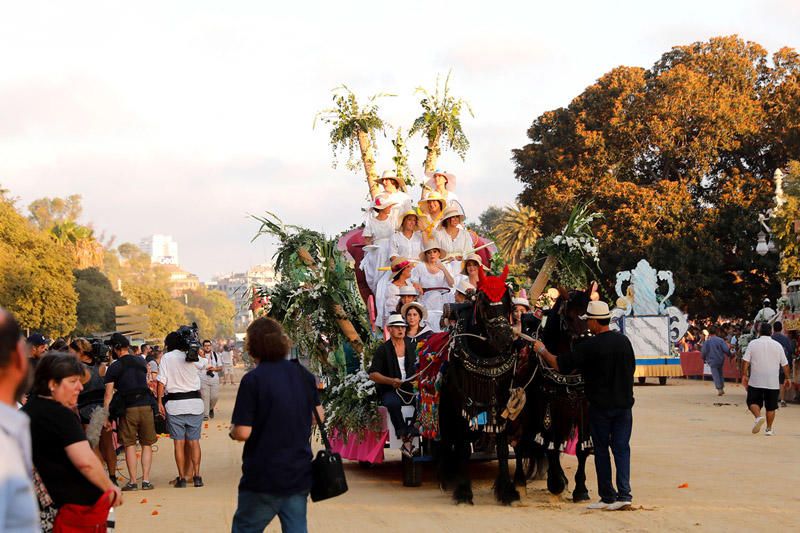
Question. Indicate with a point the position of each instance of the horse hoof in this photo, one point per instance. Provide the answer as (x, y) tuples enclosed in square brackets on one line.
[(580, 497)]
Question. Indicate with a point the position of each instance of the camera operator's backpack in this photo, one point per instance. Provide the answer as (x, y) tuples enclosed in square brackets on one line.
[(120, 400)]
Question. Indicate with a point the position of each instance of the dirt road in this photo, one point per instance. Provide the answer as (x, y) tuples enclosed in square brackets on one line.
[(683, 434)]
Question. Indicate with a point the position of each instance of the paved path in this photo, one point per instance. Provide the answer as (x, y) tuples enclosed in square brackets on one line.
[(736, 481)]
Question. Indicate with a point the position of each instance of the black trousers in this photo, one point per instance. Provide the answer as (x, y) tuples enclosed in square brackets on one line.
[(391, 400)]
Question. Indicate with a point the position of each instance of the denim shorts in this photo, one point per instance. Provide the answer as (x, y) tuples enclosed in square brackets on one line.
[(184, 427)]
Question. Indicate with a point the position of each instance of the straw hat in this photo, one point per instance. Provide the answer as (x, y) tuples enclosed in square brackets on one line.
[(451, 179), (408, 290), (464, 286), (396, 320), (430, 197), (418, 306), (453, 210), (392, 175), (399, 264), (402, 218), (596, 311), (430, 245), (381, 202), (471, 257)]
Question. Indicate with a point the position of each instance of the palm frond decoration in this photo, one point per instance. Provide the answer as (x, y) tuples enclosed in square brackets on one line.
[(516, 231)]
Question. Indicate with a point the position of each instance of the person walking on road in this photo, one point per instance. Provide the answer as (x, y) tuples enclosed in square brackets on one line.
[(764, 358), (273, 416), (788, 349), (607, 363), (209, 380), (714, 351)]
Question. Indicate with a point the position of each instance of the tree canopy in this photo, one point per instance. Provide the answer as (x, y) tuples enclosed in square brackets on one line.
[(679, 158), (96, 302)]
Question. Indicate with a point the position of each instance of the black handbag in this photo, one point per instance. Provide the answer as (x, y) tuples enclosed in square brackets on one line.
[(327, 470)]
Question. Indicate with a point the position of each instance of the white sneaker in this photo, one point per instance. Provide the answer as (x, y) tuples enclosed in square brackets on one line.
[(758, 423), (769, 432), (619, 506), (598, 505)]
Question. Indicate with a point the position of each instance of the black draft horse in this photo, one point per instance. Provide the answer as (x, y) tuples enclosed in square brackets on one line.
[(556, 403), (477, 380)]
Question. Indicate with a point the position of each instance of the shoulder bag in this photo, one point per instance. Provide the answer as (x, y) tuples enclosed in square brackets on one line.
[(327, 471)]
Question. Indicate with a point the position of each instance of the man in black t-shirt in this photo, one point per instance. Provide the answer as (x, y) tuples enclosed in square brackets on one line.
[(607, 363), (128, 376)]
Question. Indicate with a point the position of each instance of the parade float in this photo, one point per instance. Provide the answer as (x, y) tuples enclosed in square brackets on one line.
[(645, 316)]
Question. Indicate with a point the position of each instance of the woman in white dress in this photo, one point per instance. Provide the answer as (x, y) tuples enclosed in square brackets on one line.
[(389, 290), (431, 209), (378, 230), (395, 190), (470, 267), (406, 241), (443, 183), (456, 241), (434, 281)]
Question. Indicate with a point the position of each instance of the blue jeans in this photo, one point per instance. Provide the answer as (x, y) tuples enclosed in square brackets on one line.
[(716, 374), (256, 510), (612, 428)]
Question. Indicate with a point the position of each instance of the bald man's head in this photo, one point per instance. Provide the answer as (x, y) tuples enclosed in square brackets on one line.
[(10, 334)]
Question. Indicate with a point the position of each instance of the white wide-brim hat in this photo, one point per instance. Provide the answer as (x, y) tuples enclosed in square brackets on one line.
[(453, 210), (521, 301), (408, 290), (392, 175), (431, 245), (464, 286), (416, 305), (596, 311), (472, 257), (396, 319), (402, 218), (451, 179), (381, 202)]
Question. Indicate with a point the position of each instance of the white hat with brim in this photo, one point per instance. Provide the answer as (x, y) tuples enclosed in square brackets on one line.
[(396, 320), (416, 305), (380, 202), (408, 290), (451, 179), (392, 175), (596, 311), (402, 218), (430, 245), (464, 286), (472, 257), (431, 197), (452, 211), (521, 301)]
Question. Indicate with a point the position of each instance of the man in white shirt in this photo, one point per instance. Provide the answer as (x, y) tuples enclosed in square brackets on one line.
[(764, 358), (183, 407), (227, 365), (19, 511), (209, 380), (765, 314)]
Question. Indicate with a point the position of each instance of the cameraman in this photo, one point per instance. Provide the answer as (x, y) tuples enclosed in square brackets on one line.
[(209, 379), (180, 401), (128, 375), (94, 354)]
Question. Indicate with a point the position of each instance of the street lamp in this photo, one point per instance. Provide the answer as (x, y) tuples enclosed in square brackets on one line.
[(762, 248)]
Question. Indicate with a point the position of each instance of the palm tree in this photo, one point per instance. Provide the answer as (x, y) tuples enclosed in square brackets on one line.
[(80, 240), (516, 231), (353, 125), (401, 158), (440, 123)]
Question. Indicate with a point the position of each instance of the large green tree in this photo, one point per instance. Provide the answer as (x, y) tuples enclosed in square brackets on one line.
[(36, 281), (96, 302), (218, 309), (679, 158)]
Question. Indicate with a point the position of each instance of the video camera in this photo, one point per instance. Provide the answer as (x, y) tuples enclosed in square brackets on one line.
[(100, 351), (189, 342)]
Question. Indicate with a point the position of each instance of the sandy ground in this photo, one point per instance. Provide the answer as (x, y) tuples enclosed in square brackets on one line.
[(683, 434)]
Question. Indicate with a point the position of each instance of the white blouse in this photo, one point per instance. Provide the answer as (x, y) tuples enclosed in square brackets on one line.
[(400, 246)]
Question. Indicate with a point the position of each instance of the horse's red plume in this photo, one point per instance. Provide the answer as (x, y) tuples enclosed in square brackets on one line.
[(493, 286), (504, 275), (481, 276)]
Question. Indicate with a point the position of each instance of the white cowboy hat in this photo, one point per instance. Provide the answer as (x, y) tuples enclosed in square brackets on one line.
[(381, 202), (402, 218), (408, 290), (392, 175), (521, 301), (432, 196), (430, 245), (464, 286), (451, 179), (396, 320), (596, 311), (416, 305)]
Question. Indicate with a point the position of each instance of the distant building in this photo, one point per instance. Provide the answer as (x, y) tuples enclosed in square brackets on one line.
[(181, 281), (163, 250), (239, 289)]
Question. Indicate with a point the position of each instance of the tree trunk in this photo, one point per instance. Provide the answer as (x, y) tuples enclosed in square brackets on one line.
[(368, 159), (338, 312), (542, 278), (434, 151)]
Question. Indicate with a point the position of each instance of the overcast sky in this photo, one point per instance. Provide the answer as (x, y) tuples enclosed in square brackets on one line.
[(184, 117)]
